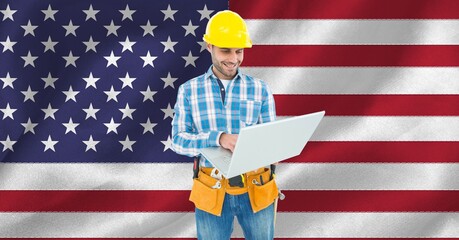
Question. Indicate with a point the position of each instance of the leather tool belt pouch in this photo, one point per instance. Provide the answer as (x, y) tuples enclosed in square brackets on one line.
[(207, 193), (262, 190)]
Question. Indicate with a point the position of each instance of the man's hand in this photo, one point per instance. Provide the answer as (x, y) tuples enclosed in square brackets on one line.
[(228, 141)]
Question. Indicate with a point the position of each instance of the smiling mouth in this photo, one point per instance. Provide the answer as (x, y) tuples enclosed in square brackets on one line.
[(231, 66)]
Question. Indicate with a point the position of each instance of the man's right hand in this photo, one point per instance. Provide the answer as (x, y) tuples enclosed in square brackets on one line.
[(228, 141)]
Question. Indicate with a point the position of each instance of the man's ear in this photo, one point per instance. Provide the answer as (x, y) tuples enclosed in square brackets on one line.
[(209, 47)]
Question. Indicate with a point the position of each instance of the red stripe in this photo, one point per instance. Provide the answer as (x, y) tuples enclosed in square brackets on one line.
[(368, 105), (352, 55), (346, 9), (370, 201), (379, 152), (177, 201), (95, 201)]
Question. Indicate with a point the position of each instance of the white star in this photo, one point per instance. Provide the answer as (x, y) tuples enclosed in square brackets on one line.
[(127, 13), (70, 94), (111, 60), (127, 144), (90, 13), (91, 144), (148, 28), (29, 29), (49, 112), (169, 80), (148, 126), (112, 28), (91, 112), (190, 28), (70, 126), (8, 45), (70, 29), (205, 13), (8, 112), (127, 112), (111, 126), (91, 45), (49, 144), (49, 13), (8, 13), (70, 59), (167, 143), (148, 59), (29, 60), (29, 94), (190, 59), (169, 13), (112, 94), (127, 81), (127, 45), (148, 94), (203, 45), (168, 112), (49, 45), (8, 81), (29, 126), (91, 81), (169, 45), (8, 144), (49, 81)]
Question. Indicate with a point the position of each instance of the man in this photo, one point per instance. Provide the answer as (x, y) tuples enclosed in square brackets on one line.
[(211, 110)]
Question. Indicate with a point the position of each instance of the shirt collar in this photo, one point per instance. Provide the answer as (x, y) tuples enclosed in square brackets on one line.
[(210, 74)]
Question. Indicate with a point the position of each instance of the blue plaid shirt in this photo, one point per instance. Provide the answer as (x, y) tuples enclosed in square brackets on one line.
[(201, 116)]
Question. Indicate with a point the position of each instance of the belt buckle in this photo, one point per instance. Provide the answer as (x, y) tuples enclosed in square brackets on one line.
[(236, 181)]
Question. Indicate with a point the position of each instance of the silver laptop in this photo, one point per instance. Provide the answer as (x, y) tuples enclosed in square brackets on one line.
[(263, 144)]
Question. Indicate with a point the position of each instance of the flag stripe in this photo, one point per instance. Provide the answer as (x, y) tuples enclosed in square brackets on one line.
[(370, 201), (352, 55), (371, 80), (369, 105), (177, 201), (277, 238), (182, 225), (359, 32), (96, 201), (343, 9), (379, 152), (369, 176), (291, 176), (398, 128)]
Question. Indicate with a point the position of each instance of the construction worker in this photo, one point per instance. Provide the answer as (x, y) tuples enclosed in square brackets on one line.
[(211, 110)]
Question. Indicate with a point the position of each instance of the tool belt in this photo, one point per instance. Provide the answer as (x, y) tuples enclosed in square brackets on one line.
[(208, 191)]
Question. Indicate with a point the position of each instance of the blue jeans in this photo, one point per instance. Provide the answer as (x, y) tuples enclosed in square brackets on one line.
[(256, 226)]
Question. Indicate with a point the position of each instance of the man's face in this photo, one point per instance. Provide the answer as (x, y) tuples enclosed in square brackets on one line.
[(225, 61)]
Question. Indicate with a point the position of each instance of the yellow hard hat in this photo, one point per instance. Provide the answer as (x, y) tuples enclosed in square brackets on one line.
[(226, 29)]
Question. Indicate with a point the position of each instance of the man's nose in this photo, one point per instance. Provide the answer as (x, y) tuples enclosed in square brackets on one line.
[(233, 57)]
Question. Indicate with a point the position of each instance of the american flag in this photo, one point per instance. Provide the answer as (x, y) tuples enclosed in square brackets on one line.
[(89, 86)]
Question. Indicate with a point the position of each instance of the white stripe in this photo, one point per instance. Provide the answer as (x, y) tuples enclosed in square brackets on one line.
[(379, 176), (359, 80), (182, 225), (96, 176), (291, 176), (300, 32), (387, 129)]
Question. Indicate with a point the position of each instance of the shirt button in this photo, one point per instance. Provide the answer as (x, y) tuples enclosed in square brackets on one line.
[(223, 89)]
